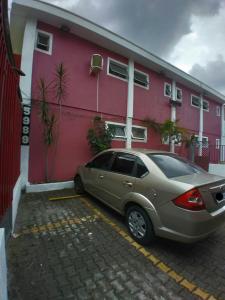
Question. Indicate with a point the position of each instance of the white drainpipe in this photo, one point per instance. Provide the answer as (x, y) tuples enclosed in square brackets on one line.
[(173, 112), (200, 126), (130, 103)]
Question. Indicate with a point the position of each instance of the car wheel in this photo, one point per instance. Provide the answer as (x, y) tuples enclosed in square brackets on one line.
[(139, 225), (78, 185)]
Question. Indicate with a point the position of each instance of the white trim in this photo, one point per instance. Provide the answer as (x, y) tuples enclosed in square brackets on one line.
[(167, 83), (44, 187), (16, 199), (50, 35), (25, 85), (3, 267), (136, 139), (218, 111), (217, 143), (179, 100), (208, 105), (119, 124), (204, 100), (147, 75), (203, 137), (119, 63)]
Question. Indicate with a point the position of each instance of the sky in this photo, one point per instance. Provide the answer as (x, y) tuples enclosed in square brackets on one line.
[(190, 34)]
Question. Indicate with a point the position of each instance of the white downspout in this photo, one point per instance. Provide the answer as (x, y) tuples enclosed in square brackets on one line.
[(130, 103), (25, 85), (222, 140), (173, 112), (200, 126)]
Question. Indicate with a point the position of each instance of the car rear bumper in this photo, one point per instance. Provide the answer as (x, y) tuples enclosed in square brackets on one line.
[(187, 226)]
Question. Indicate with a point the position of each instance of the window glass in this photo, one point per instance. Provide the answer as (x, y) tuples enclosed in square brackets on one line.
[(167, 89), (102, 161), (205, 105), (140, 78), (124, 163), (141, 169), (118, 69), (195, 101), (138, 133), (173, 166), (43, 41), (179, 94), (118, 131)]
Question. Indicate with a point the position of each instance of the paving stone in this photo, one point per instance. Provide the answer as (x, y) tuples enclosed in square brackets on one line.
[(66, 253)]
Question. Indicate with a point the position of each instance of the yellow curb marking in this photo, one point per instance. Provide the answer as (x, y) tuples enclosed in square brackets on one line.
[(190, 286), (63, 198)]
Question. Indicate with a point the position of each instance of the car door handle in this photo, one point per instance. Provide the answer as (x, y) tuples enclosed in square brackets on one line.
[(101, 176), (130, 184)]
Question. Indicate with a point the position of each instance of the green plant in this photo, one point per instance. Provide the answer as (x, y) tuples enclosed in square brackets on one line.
[(99, 136), (57, 90)]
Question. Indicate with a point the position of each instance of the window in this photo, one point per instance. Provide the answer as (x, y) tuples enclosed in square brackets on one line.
[(217, 143), (218, 111), (139, 133), (117, 69), (102, 161), (205, 105), (141, 169), (118, 130), (178, 94), (173, 166), (167, 89), (44, 42), (205, 141), (141, 78), (195, 101), (124, 164)]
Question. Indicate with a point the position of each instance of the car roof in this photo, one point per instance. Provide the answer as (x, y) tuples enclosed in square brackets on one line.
[(138, 151)]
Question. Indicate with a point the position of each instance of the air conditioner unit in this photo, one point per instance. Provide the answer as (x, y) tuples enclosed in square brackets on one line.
[(96, 63)]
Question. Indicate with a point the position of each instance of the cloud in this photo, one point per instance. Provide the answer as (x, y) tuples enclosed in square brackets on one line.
[(212, 74), (156, 25)]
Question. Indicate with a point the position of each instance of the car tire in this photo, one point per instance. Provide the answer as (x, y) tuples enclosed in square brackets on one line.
[(139, 225), (78, 185)]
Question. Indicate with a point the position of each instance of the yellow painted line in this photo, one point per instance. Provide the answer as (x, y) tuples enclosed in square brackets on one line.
[(179, 279), (52, 226), (63, 198)]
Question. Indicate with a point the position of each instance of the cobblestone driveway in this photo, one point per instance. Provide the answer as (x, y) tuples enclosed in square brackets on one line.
[(79, 249)]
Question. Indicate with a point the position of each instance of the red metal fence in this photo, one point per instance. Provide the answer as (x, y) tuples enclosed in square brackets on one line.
[(10, 116)]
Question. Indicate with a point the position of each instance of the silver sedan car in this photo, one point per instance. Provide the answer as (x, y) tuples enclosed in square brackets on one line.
[(158, 192)]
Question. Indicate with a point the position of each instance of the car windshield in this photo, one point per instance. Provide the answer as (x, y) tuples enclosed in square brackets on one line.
[(174, 166)]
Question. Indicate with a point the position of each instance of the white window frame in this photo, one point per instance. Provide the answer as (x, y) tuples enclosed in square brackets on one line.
[(208, 105), (192, 95), (50, 35), (147, 75), (179, 100), (203, 137), (119, 63), (165, 84), (218, 111), (118, 124), (135, 139), (217, 143)]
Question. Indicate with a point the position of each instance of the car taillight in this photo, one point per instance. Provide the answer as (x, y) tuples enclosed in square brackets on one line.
[(191, 200)]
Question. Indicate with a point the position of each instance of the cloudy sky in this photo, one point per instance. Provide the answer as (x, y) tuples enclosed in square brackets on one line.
[(190, 34)]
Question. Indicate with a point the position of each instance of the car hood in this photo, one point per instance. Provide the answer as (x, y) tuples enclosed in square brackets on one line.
[(199, 179)]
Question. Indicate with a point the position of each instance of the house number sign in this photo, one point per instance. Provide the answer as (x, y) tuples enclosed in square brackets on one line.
[(26, 124)]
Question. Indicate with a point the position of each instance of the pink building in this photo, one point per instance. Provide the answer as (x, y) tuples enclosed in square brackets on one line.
[(132, 85)]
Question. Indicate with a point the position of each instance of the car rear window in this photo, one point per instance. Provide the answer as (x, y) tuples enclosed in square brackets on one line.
[(174, 166)]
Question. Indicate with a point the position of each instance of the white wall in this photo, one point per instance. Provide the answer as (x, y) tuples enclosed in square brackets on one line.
[(217, 169), (3, 268)]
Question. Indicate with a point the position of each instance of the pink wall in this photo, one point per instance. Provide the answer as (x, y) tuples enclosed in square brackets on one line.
[(79, 107)]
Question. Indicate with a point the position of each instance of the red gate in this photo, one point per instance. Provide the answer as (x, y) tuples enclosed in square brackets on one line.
[(10, 116)]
